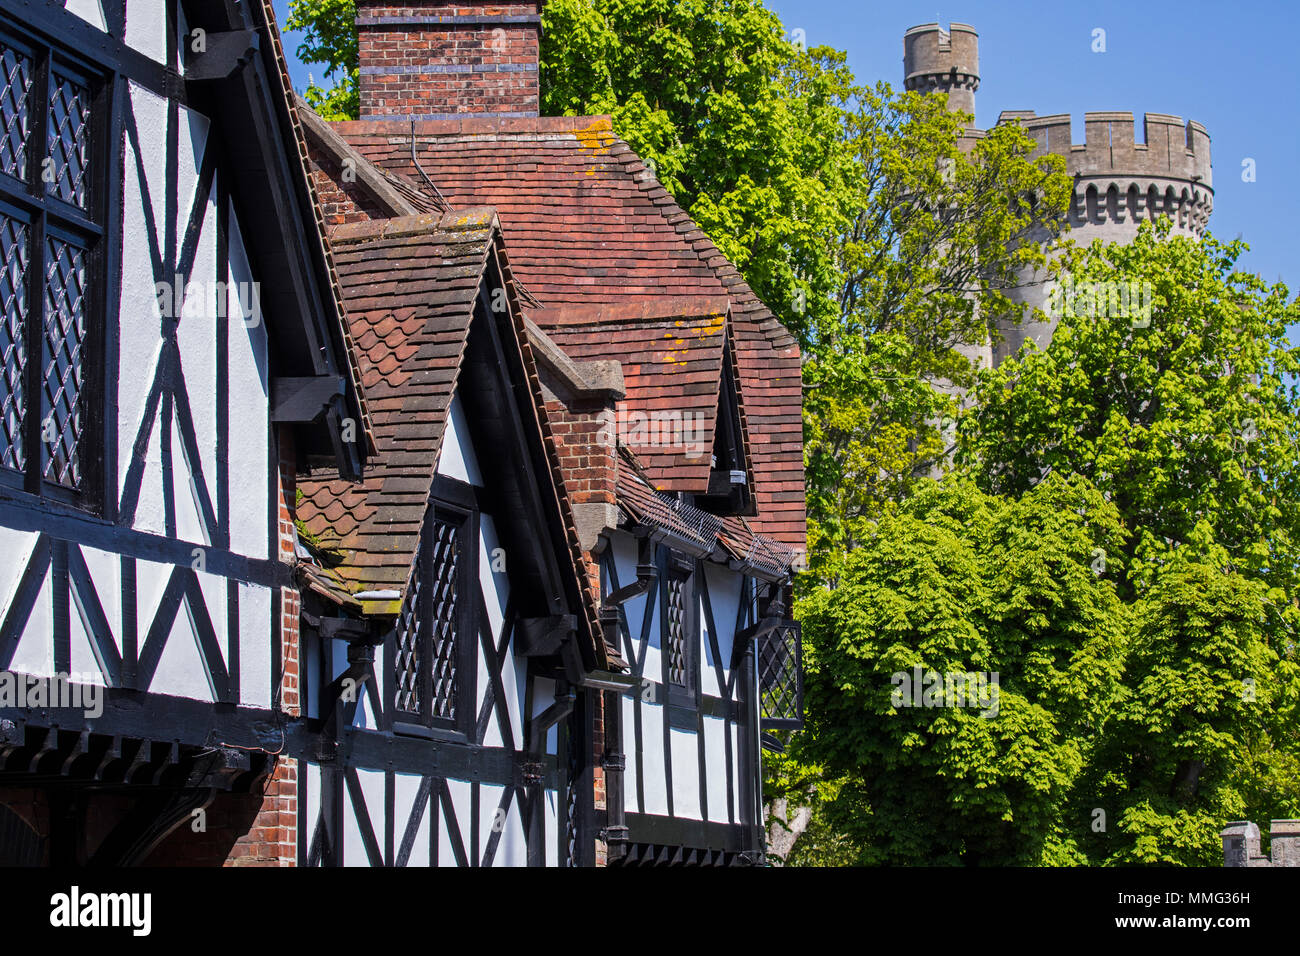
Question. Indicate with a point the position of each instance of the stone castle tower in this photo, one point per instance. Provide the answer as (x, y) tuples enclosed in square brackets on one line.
[(1118, 181)]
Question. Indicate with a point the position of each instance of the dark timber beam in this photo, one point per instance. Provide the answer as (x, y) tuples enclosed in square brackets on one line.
[(297, 400), (222, 54), (542, 636)]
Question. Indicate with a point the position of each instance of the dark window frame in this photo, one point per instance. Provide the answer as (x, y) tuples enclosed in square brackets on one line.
[(453, 503), (25, 197), (684, 699)]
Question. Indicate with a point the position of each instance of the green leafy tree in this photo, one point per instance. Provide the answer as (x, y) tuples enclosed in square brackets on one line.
[(940, 226), (1184, 411), (329, 37), (1120, 544), (1187, 418), (1207, 729), (955, 582)]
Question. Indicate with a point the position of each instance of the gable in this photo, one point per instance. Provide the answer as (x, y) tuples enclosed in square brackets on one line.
[(443, 372), (458, 459), (588, 225), (680, 399), (240, 80)]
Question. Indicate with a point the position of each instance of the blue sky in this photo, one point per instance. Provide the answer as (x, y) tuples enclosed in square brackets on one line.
[(1230, 66)]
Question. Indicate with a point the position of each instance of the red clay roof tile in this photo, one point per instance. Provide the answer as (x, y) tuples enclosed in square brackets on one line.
[(588, 226)]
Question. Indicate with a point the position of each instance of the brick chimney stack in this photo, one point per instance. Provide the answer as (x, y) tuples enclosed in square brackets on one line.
[(434, 59)]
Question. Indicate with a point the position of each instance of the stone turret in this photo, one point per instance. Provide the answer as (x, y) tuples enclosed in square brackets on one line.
[(947, 60), (1118, 181)]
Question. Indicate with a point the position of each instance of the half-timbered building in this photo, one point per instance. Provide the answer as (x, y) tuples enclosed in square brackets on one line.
[(419, 490), (672, 398), (450, 646), (173, 352)]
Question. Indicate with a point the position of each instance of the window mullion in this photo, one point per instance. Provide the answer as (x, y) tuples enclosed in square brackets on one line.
[(469, 623), (425, 632), (37, 105)]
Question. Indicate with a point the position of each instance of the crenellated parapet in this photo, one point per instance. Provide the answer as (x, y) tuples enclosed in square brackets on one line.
[(1241, 844), (1121, 181), (939, 60)]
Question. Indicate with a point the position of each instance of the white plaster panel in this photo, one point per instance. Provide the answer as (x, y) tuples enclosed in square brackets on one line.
[(88, 10), (457, 458), (715, 764), (686, 773), (254, 645), (406, 789), (15, 551), (624, 550), (250, 494), (629, 775), (35, 651), (146, 28), (372, 789), (512, 848), (309, 809), (460, 801), (735, 750), (550, 820), (181, 671), (654, 775), (724, 597)]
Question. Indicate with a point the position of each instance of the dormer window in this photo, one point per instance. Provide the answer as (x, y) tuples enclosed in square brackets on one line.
[(728, 491)]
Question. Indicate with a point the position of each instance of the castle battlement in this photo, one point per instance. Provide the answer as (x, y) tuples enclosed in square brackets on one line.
[(1120, 179), (935, 59), (1170, 149), (1241, 844)]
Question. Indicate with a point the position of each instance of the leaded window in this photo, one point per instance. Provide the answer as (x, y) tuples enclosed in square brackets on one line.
[(51, 231), (780, 677), (679, 631), (435, 630), (675, 637), (444, 627)]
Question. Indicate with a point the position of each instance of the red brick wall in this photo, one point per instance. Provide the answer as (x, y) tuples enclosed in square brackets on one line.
[(272, 837), (342, 199), (431, 58), (584, 441)]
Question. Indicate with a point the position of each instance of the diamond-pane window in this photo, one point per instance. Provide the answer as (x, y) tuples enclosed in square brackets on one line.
[(13, 342), (53, 246), (442, 615), (410, 625), (780, 677), (62, 418), (427, 640), (16, 70), (68, 140), (675, 641)]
